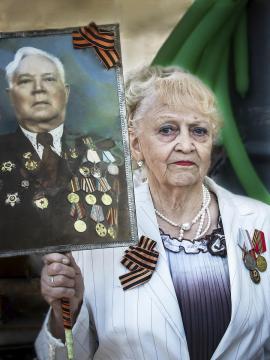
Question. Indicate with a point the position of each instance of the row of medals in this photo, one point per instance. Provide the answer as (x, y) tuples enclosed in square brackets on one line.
[(94, 173), (255, 264), (87, 172)]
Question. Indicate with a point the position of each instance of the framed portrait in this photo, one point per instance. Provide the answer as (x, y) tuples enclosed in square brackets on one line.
[(65, 173)]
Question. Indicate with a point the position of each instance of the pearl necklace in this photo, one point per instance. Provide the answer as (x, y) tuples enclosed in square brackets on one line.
[(204, 211)]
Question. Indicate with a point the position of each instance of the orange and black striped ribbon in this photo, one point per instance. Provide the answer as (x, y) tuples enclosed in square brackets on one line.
[(101, 40), (75, 186), (66, 313), (77, 211), (141, 260), (112, 216)]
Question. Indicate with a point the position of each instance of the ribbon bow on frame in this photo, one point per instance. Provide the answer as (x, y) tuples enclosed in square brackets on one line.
[(101, 40), (141, 260)]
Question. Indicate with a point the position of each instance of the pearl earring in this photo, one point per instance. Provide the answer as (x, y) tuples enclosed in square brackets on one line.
[(140, 163)]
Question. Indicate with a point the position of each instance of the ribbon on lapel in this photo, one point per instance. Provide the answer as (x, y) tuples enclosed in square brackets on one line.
[(141, 260), (101, 40)]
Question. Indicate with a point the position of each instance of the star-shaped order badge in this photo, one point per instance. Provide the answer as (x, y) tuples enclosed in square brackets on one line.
[(7, 166), (12, 199), (252, 250)]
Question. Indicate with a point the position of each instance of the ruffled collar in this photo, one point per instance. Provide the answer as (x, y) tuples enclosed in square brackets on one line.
[(214, 243)]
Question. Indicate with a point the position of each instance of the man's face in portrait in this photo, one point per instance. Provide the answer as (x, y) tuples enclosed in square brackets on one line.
[(38, 94)]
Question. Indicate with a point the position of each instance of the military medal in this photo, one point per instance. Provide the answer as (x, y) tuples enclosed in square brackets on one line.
[(12, 199), (113, 169), (249, 261), (252, 250), (90, 199), (73, 198), (259, 246), (73, 153), (88, 142), (42, 203), (85, 171), (27, 155), (111, 216), (92, 156), (261, 263), (7, 166), (101, 230), (31, 165), (103, 185), (75, 185), (112, 232), (80, 226), (106, 199), (108, 156), (97, 213), (25, 184), (87, 185), (255, 276), (96, 172)]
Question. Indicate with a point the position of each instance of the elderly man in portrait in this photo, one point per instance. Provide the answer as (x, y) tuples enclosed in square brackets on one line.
[(51, 193)]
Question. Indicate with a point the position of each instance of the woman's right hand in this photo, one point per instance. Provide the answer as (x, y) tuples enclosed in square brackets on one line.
[(61, 278)]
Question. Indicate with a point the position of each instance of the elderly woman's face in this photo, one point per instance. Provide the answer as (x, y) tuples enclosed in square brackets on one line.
[(175, 145)]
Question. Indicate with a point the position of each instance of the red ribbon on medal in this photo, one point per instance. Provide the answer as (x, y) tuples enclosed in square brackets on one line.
[(101, 40), (258, 242)]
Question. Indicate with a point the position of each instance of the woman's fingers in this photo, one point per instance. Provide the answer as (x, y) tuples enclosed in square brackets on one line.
[(60, 281), (56, 257), (56, 268), (73, 263)]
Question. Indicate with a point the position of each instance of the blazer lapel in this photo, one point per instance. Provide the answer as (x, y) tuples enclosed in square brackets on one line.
[(240, 281), (160, 287)]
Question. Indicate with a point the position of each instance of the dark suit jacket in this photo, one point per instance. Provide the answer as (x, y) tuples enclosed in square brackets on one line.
[(25, 226)]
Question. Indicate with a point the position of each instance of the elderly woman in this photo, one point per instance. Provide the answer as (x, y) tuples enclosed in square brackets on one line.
[(208, 296)]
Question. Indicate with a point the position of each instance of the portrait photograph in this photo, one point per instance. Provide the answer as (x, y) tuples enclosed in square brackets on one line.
[(65, 178)]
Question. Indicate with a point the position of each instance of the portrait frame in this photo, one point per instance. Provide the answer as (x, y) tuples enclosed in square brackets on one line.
[(116, 130)]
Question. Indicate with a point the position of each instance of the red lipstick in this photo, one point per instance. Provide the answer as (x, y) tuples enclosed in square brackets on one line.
[(184, 163)]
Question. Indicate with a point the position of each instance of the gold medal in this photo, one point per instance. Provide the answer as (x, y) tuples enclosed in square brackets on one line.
[(73, 198), (261, 263), (90, 199), (31, 165), (73, 154), (112, 232), (42, 203), (27, 155), (255, 276), (84, 170), (80, 226), (106, 199), (101, 230)]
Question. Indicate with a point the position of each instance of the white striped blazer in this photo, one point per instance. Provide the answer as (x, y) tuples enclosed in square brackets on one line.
[(145, 323)]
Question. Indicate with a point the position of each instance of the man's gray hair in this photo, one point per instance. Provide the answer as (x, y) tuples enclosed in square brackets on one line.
[(26, 51)]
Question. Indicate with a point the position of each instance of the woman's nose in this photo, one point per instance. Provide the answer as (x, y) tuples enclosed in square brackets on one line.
[(184, 142)]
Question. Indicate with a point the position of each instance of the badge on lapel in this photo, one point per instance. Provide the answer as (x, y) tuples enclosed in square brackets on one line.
[(252, 250)]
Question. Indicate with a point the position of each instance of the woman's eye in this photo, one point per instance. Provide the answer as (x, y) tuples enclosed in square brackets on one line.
[(200, 131), (167, 130)]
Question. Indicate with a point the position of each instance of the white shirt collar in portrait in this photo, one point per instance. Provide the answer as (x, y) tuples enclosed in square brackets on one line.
[(56, 133)]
